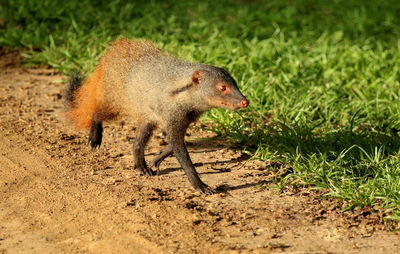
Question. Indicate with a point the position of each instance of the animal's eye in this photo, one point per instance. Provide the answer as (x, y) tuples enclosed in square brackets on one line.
[(222, 88)]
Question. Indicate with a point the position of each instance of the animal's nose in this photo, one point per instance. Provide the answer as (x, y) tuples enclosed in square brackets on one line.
[(244, 103)]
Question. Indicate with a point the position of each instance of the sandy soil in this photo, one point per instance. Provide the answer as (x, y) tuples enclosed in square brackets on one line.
[(59, 196)]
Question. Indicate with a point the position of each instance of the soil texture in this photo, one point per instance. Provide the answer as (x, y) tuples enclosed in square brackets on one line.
[(59, 196)]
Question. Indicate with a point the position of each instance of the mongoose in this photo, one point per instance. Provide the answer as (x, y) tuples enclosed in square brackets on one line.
[(135, 78)]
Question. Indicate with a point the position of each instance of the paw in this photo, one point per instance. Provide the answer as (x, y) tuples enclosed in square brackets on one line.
[(205, 189), (94, 143), (156, 164), (144, 170), (163, 154), (95, 136)]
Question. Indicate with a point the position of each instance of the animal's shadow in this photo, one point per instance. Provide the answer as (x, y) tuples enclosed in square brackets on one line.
[(206, 146), (357, 146)]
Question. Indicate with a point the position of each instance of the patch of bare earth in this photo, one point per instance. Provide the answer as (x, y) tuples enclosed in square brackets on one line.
[(59, 196)]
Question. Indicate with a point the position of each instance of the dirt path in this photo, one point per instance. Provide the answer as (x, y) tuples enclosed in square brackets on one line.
[(58, 196)]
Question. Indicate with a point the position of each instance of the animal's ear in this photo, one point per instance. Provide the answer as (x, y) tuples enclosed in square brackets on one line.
[(197, 77)]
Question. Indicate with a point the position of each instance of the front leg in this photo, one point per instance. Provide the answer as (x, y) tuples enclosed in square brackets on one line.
[(176, 134), (143, 136), (181, 153)]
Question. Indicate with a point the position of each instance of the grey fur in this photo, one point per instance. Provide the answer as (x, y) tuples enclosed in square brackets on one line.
[(158, 90)]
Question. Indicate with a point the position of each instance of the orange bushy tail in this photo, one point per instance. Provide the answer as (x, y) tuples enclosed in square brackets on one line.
[(84, 98)]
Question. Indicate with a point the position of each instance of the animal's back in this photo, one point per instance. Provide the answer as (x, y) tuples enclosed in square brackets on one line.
[(121, 83), (138, 77), (125, 59)]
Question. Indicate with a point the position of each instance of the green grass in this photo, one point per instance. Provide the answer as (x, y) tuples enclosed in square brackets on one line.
[(322, 76)]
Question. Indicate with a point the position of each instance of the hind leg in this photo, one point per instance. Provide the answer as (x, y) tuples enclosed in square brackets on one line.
[(96, 134), (162, 156), (96, 130), (143, 136)]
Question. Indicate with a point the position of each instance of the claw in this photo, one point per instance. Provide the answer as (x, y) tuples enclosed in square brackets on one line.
[(205, 189), (144, 170), (157, 164)]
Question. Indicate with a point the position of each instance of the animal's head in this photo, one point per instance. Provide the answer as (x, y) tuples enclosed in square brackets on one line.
[(217, 88)]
